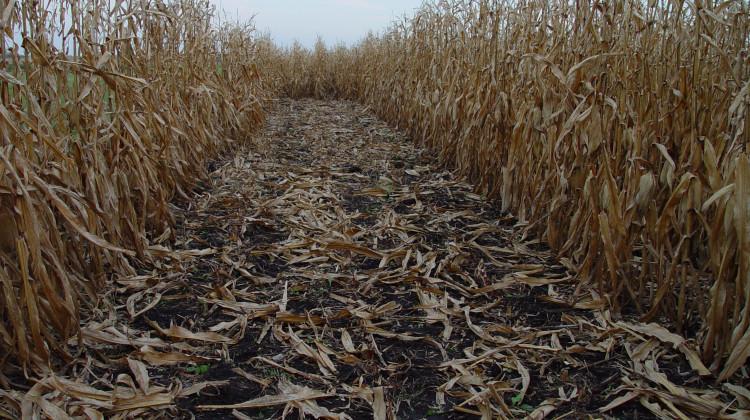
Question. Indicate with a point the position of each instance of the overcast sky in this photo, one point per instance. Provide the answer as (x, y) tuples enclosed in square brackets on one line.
[(336, 21)]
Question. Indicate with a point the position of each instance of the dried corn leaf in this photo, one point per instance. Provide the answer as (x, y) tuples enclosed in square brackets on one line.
[(299, 394), (179, 333)]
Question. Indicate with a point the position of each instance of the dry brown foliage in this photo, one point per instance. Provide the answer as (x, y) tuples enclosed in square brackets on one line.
[(109, 110), (617, 129), (320, 73), (333, 269)]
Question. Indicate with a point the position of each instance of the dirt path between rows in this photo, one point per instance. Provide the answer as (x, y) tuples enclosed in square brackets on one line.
[(332, 270)]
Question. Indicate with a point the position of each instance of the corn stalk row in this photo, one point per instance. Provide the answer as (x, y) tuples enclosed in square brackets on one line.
[(617, 129), (108, 110)]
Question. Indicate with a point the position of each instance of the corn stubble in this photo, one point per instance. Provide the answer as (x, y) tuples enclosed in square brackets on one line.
[(109, 111), (618, 130)]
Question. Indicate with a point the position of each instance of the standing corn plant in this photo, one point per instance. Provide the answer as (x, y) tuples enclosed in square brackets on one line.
[(109, 110), (618, 130)]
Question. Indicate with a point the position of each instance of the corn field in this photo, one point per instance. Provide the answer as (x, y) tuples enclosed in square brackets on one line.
[(109, 110), (618, 130)]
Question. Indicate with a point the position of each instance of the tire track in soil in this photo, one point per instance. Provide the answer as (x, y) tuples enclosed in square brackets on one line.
[(349, 276)]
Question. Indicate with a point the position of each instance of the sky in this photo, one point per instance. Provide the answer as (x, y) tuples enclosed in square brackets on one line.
[(336, 21)]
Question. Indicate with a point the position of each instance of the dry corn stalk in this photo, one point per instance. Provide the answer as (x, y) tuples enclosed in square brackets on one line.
[(108, 110), (617, 129)]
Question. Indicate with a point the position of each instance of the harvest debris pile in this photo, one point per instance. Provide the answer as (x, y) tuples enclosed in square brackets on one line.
[(331, 268)]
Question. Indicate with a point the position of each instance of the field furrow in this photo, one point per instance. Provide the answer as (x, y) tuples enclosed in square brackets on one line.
[(332, 269)]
